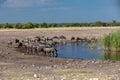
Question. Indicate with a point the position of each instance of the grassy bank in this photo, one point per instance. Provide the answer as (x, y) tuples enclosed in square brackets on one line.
[(112, 41)]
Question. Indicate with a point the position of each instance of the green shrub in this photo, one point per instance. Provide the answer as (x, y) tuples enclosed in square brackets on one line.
[(112, 40)]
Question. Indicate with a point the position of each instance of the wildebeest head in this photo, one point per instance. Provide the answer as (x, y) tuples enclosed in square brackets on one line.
[(17, 40), (72, 38)]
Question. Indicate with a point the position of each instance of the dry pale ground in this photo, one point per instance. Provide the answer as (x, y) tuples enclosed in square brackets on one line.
[(14, 65)]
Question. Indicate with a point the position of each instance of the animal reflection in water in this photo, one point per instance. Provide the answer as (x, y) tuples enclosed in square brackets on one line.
[(41, 45)]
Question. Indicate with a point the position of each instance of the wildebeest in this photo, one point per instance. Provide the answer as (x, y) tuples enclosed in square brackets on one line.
[(62, 39), (17, 40), (37, 46), (20, 44), (78, 39), (50, 51), (72, 38), (56, 39)]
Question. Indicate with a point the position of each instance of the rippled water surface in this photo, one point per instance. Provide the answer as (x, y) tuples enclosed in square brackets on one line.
[(85, 51)]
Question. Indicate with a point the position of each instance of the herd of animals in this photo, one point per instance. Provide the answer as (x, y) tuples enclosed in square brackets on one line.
[(41, 45)]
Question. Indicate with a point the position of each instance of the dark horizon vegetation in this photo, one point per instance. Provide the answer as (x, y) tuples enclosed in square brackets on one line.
[(30, 25)]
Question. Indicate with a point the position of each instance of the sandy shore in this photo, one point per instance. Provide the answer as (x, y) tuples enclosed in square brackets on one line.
[(14, 65)]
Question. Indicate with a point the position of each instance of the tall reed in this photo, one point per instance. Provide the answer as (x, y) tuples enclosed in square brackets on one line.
[(112, 41)]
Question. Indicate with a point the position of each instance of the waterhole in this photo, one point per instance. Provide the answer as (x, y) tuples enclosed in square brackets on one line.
[(83, 50)]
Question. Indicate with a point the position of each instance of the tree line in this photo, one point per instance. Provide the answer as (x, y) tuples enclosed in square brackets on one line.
[(30, 25)]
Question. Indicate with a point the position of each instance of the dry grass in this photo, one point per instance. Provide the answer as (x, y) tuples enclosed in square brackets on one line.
[(61, 28), (4, 63), (71, 71)]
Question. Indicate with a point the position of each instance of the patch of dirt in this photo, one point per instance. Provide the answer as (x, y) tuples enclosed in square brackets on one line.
[(14, 65)]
